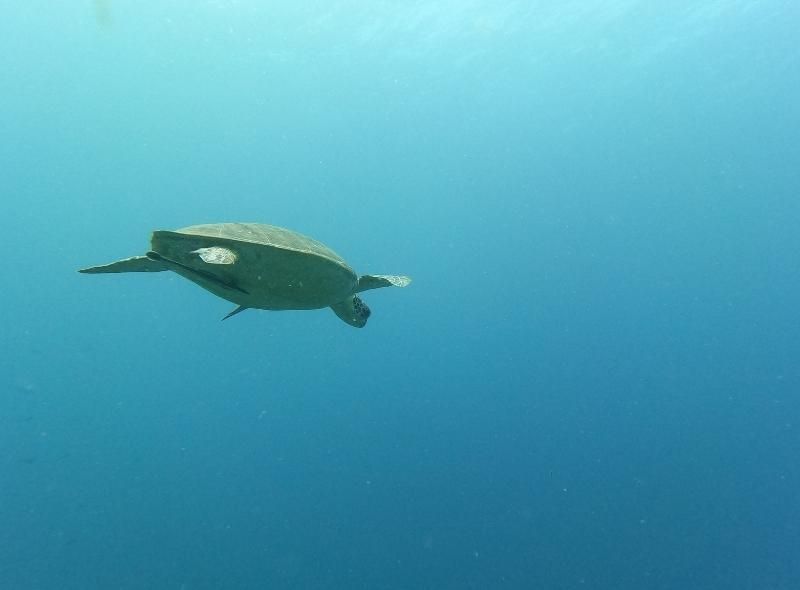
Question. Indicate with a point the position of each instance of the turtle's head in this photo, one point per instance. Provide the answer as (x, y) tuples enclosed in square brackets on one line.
[(352, 311), (361, 312)]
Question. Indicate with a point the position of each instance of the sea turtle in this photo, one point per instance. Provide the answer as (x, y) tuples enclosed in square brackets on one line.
[(259, 266)]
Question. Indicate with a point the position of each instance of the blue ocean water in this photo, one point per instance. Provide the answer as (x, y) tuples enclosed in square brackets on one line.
[(592, 382)]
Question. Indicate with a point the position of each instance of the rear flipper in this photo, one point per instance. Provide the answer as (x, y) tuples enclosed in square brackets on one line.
[(239, 309), (134, 264)]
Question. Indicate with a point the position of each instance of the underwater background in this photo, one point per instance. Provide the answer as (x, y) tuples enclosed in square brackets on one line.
[(592, 382)]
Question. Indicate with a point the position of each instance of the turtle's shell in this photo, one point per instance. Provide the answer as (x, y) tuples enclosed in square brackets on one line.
[(272, 267)]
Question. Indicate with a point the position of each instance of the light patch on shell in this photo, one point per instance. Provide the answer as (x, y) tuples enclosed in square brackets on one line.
[(215, 255)]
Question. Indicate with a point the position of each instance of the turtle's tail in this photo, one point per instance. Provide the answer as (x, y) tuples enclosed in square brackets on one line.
[(135, 264)]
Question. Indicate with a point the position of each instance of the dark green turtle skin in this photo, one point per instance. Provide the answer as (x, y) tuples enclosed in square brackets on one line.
[(259, 266)]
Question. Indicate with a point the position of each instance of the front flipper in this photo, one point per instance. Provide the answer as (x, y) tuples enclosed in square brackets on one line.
[(367, 282), (195, 271), (133, 264)]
